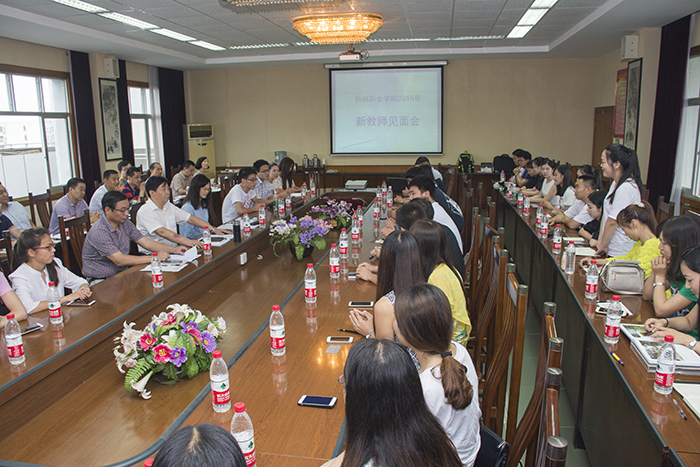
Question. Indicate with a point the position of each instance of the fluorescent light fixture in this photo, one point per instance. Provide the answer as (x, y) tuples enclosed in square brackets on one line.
[(306, 43), (128, 20), (90, 8), (467, 38), (257, 46), (543, 3), (173, 35), (414, 39), (207, 45), (532, 16), (519, 32)]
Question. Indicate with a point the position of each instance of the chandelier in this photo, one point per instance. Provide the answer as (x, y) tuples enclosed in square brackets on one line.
[(338, 29)]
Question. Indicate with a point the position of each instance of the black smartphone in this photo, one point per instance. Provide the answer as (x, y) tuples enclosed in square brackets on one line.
[(318, 401)]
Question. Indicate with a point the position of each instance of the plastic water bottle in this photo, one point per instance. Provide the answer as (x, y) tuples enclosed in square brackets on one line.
[(275, 202), (376, 212), (384, 191), (206, 241), (665, 367), (288, 202), (544, 227), (592, 281), (343, 244), (378, 195), (355, 230), (156, 271), (520, 200), (242, 430), (612, 321), (13, 337), (556, 240), (312, 186), (540, 215), (278, 344), (503, 176), (246, 223), (280, 208), (261, 216), (570, 258), (303, 192), (334, 260), (526, 205), (310, 284), (220, 387), (54, 300)]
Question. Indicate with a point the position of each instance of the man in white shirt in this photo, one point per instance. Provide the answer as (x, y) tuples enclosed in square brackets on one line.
[(577, 215), (241, 198), (423, 187), (110, 182), (158, 218), (263, 188)]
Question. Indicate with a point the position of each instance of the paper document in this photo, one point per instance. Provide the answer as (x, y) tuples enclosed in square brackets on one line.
[(189, 255), (169, 266), (585, 251), (690, 393), (566, 240)]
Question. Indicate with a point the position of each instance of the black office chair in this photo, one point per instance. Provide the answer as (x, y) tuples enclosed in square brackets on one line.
[(493, 451)]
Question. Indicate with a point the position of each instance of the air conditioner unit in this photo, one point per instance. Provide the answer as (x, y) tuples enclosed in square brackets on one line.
[(199, 142), (630, 47), (111, 67)]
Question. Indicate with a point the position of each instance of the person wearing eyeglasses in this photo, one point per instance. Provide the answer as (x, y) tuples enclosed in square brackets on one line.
[(35, 266), (241, 198), (71, 204), (263, 188), (106, 248)]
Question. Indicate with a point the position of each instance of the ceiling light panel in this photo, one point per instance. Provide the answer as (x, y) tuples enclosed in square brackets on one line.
[(90, 8), (128, 20), (257, 46), (532, 16), (543, 3), (519, 32), (207, 45), (173, 35)]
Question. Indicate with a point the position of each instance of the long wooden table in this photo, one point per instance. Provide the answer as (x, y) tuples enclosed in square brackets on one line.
[(69, 407), (620, 419)]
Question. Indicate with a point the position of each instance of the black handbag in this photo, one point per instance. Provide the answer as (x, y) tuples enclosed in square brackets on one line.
[(493, 451)]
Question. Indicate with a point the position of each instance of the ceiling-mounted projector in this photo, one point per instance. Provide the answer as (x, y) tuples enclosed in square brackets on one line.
[(352, 56)]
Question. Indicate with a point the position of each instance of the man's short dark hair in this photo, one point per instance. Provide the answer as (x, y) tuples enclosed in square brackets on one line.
[(529, 165), (423, 184), (108, 173), (246, 172), (523, 154), (154, 183), (422, 160), (187, 164), (589, 181), (122, 163), (257, 165), (74, 182), (423, 170), (131, 171), (429, 210), (111, 198), (539, 161), (409, 213)]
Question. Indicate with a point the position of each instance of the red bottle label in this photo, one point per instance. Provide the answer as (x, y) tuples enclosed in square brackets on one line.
[(310, 292), (55, 313), (277, 342), (249, 458), (591, 287), (246, 229), (157, 277), (220, 392), (206, 246), (389, 204), (343, 249), (281, 209), (355, 235), (664, 379), (335, 268), (612, 331), (375, 214), (15, 350), (557, 246), (526, 209)]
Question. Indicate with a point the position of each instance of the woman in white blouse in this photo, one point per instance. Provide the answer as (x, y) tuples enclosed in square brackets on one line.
[(564, 185), (549, 188), (35, 266)]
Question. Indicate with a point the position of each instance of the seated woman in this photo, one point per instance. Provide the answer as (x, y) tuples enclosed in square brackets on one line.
[(202, 165), (35, 266), (202, 445), (682, 327), (564, 196), (196, 203), (439, 271), (388, 423), (594, 205), (10, 303), (549, 188), (639, 223), (667, 287), (15, 212), (284, 182)]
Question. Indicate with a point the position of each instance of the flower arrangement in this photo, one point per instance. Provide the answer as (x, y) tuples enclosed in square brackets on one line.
[(335, 210), (178, 342), (302, 233)]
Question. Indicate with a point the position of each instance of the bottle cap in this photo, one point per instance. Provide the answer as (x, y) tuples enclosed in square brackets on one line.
[(51, 284), (342, 230), (239, 407), (616, 298), (148, 462), (571, 242), (668, 338), (558, 225), (310, 265), (275, 308), (333, 245), (593, 261), (154, 254), (216, 354), (10, 316)]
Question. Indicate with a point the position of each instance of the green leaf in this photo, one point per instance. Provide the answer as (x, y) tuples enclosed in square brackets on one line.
[(171, 372), (191, 368), (135, 373)]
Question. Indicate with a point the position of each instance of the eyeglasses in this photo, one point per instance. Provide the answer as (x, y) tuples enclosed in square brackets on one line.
[(341, 379), (123, 210), (47, 247), (251, 179)]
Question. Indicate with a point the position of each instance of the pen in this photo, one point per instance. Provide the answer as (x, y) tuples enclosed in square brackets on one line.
[(680, 411), (619, 360), (349, 330)]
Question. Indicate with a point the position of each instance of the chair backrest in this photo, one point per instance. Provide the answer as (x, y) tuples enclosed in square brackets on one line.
[(553, 446), (227, 184), (646, 194), (77, 229), (484, 309), (6, 244), (43, 207), (479, 201), (664, 210), (451, 180), (492, 211), (688, 212), (173, 171), (467, 209), (472, 260), (519, 306)]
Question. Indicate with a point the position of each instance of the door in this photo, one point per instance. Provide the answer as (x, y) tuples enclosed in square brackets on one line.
[(602, 132)]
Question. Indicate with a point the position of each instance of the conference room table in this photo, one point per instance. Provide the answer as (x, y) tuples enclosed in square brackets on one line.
[(620, 419), (67, 404)]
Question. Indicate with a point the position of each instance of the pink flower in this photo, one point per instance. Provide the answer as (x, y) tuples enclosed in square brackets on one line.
[(170, 319), (147, 341), (162, 353), (195, 334)]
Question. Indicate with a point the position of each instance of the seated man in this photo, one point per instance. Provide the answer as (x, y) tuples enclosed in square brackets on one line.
[(110, 182), (6, 224), (437, 176), (423, 187), (71, 204), (183, 178), (122, 167), (15, 212), (534, 185), (241, 198), (106, 248), (158, 218), (263, 188), (132, 187), (521, 158), (155, 170), (577, 215), (447, 203)]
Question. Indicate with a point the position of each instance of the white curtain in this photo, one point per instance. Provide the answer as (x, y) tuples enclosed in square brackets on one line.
[(154, 96)]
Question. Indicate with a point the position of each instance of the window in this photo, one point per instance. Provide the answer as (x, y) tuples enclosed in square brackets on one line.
[(142, 126), (36, 149), (690, 140)]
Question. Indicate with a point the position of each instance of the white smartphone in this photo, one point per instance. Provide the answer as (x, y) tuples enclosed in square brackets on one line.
[(354, 304), (339, 340), (317, 401), (352, 276)]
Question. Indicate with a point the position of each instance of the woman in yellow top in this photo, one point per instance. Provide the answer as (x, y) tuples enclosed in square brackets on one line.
[(440, 272), (639, 223)]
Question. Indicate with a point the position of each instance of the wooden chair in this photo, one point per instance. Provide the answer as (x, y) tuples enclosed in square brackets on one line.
[(451, 180), (6, 244), (174, 170), (43, 207), (479, 201), (518, 305), (552, 452), (227, 184), (77, 229), (472, 258), (467, 208), (688, 212), (664, 210), (527, 433)]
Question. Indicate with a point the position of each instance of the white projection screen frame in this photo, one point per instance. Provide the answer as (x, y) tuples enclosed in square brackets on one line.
[(386, 111)]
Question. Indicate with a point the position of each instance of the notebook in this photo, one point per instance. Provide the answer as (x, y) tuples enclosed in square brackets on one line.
[(690, 393)]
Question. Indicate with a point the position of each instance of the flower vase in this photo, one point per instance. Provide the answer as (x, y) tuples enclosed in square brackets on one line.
[(307, 251)]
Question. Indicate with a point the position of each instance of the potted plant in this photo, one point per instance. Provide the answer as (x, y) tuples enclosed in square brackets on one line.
[(302, 235)]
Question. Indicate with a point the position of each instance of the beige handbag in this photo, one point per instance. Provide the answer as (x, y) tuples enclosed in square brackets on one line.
[(622, 277)]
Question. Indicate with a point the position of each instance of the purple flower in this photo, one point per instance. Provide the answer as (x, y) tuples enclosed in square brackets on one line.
[(208, 342), (187, 327), (178, 356)]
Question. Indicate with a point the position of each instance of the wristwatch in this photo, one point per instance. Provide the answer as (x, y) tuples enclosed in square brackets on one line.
[(692, 343), (659, 283)]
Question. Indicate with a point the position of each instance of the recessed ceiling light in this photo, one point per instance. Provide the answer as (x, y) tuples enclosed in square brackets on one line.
[(519, 32), (532, 16), (257, 46), (207, 45), (467, 38), (90, 8), (128, 20), (543, 3), (173, 35), (408, 39)]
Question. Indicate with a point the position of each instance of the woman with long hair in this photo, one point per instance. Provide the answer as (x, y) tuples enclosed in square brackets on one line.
[(549, 188), (439, 271), (196, 204), (587, 169), (286, 169), (388, 423), (35, 266), (619, 163), (202, 445), (564, 196), (667, 287), (594, 205), (447, 374)]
